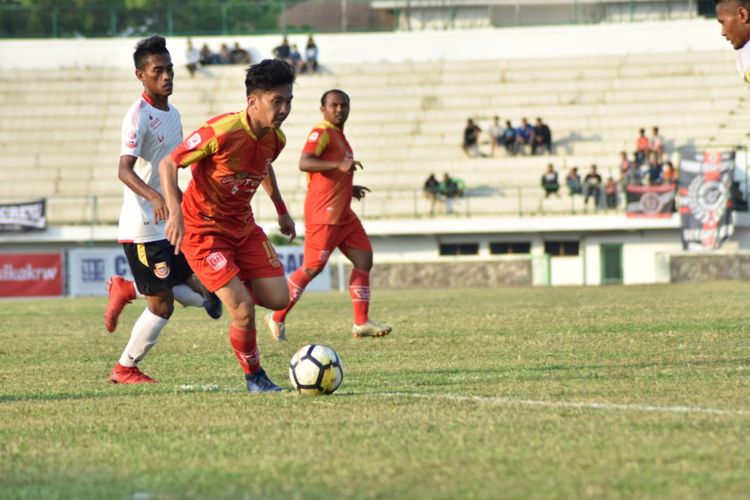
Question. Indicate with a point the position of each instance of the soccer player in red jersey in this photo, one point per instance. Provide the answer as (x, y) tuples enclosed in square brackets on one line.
[(231, 156), (330, 223)]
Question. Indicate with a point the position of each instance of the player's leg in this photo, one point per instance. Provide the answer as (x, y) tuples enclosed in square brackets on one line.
[(358, 249), (150, 264), (189, 291), (120, 292), (320, 239)]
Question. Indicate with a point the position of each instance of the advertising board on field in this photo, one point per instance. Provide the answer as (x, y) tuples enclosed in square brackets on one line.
[(31, 275), (89, 268)]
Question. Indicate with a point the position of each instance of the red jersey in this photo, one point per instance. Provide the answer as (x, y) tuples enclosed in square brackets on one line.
[(329, 193), (229, 163)]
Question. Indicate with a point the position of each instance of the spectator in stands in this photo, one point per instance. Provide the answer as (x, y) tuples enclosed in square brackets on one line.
[(541, 138), (654, 170), (431, 191), (509, 138), (207, 56), (550, 183), (523, 135), (471, 139), (193, 58), (495, 131), (669, 174), (449, 189), (610, 188), (573, 181), (238, 55), (625, 163), (296, 58), (282, 51), (656, 144), (593, 187), (225, 55), (632, 176), (641, 147), (311, 55)]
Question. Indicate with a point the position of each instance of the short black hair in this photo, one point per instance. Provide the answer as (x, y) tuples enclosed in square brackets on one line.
[(333, 91), (147, 47), (268, 74)]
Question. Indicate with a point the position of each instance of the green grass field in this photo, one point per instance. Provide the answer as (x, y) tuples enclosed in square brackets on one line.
[(609, 392)]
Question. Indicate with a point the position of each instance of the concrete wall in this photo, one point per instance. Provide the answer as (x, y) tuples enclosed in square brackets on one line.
[(709, 267)]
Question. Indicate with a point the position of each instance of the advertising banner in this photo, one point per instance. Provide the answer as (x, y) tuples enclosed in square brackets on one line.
[(705, 200), (31, 275), (650, 201), (23, 216), (89, 268)]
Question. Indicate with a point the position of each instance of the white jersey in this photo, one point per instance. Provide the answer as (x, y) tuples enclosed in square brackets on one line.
[(743, 62), (149, 134)]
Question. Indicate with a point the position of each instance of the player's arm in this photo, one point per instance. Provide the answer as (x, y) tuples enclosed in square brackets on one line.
[(126, 173), (286, 223), (308, 162), (174, 228)]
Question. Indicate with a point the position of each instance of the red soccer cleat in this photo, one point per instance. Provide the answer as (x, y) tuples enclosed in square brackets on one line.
[(126, 375), (121, 292)]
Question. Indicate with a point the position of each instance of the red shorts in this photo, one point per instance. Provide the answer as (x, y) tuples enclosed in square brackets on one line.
[(217, 258), (322, 239)]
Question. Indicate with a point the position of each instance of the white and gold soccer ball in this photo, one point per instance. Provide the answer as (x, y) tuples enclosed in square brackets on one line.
[(316, 369)]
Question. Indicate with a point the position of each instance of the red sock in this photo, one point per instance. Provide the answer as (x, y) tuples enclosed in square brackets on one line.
[(359, 290), (245, 348), (297, 283)]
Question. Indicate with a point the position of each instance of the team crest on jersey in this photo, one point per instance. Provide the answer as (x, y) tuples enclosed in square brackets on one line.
[(161, 270), (313, 137), (132, 140), (217, 261), (155, 122)]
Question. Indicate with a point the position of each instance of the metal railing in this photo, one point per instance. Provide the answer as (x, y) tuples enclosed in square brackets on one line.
[(91, 19)]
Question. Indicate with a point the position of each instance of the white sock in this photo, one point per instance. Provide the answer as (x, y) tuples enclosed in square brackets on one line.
[(143, 337), (187, 296)]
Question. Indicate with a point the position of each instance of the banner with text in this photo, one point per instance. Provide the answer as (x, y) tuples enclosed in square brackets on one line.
[(89, 268), (23, 216), (705, 199), (31, 275), (650, 201)]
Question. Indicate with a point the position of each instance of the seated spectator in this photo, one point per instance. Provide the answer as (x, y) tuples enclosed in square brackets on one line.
[(611, 191), (238, 55), (449, 189), (282, 51), (523, 135), (495, 132), (550, 183), (509, 138), (471, 139), (311, 55), (656, 144), (641, 147), (296, 59), (193, 58), (573, 181), (207, 56), (541, 138), (669, 174), (654, 170), (632, 176), (593, 187), (431, 190), (224, 56)]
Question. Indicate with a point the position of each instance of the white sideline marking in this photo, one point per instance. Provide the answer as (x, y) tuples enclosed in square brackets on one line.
[(505, 401)]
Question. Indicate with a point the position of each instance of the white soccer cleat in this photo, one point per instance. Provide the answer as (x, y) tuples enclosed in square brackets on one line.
[(277, 329), (371, 329)]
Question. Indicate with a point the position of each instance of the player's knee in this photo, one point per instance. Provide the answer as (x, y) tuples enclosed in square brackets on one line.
[(162, 309), (244, 314)]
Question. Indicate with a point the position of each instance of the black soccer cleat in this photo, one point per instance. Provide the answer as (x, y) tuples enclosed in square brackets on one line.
[(259, 382), (212, 305)]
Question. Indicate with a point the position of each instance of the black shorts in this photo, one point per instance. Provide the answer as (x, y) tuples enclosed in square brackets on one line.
[(155, 267)]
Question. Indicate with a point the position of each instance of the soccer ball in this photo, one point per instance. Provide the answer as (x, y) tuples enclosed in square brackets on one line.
[(316, 369)]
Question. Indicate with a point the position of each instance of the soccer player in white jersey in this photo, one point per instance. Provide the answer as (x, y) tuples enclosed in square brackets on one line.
[(150, 131), (734, 17)]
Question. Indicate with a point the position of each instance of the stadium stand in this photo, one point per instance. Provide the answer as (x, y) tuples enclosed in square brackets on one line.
[(60, 128)]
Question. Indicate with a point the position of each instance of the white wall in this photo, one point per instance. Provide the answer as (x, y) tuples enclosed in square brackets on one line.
[(479, 44)]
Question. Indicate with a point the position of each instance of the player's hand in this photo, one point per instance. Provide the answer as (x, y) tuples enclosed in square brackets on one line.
[(349, 165), (286, 226), (359, 191), (161, 212), (175, 230)]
